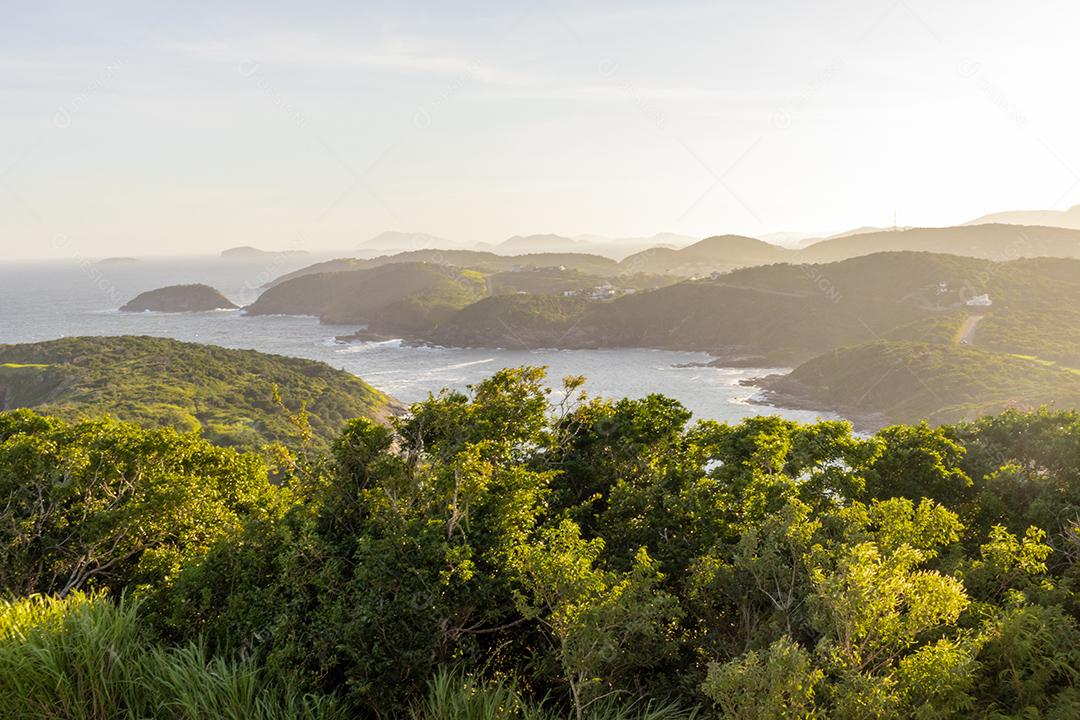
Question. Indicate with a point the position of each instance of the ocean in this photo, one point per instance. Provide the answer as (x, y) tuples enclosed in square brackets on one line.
[(47, 300)]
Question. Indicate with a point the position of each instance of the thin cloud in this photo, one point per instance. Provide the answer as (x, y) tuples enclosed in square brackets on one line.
[(305, 51)]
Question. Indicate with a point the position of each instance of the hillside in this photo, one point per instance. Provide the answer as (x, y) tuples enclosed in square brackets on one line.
[(782, 313), (227, 394), (515, 321), (1049, 218), (408, 297), (723, 253), (180, 298), (713, 254), (472, 259), (788, 313), (994, 242), (886, 382)]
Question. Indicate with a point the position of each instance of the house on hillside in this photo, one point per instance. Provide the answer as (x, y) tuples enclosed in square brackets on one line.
[(980, 301)]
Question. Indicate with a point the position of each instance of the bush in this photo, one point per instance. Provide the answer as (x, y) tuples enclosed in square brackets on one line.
[(85, 658)]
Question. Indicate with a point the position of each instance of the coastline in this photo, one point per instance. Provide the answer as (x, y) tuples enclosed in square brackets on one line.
[(781, 391)]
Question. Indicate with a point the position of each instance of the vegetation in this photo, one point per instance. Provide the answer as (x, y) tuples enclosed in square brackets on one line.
[(233, 397), (785, 313), (789, 313), (528, 321), (997, 242), (887, 337), (885, 382), (721, 253), (410, 297), (180, 298), (85, 658), (992, 242), (518, 553), (1053, 334), (487, 262)]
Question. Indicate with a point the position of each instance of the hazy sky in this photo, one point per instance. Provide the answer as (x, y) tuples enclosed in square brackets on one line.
[(148, 128)]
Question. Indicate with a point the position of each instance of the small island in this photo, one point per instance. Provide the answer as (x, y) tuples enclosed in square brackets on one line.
[(180, 299), (117, 261), (247, 252)]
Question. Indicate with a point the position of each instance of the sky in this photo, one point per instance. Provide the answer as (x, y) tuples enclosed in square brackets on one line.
[(144, 128)]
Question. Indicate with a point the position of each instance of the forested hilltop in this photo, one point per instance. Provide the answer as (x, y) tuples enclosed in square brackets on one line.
[(238, 398), (514, 552), (886, 337), (782, 313)]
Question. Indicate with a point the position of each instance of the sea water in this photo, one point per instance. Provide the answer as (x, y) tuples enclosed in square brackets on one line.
[(47, 300)]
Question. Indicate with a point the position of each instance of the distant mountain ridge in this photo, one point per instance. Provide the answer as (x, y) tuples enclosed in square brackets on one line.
[(723, 253), (402, 241), (521, 244), (713, 254), (991, 242), (1049, 218)]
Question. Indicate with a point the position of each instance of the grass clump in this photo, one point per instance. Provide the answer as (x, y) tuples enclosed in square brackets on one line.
[(85, 658)]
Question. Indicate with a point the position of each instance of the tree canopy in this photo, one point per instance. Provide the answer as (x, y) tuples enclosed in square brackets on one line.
[(542, 551)]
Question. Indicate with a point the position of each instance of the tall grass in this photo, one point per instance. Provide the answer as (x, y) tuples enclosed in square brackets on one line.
[(454, 695), (84, 658)]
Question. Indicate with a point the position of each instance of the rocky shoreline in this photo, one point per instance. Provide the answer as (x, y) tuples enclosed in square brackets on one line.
[(781, 391)]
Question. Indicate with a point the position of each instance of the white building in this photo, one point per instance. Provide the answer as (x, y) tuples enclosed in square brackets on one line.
[(980, 301)]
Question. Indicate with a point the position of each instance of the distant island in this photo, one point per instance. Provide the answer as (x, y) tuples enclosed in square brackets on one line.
[(117, 261), (180, 299), (247, 252)]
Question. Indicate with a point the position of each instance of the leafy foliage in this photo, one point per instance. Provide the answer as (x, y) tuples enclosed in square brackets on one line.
[(887, 381), (520, 552), (110, 505), (228, 395), (85, 658)]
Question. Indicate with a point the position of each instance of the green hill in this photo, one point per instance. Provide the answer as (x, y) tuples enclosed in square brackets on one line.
[(180, 298), (515, 321), (789, 313), (475, 259), (408, 297), (888, 382), (723, 252), (783, 313), (228, 394)]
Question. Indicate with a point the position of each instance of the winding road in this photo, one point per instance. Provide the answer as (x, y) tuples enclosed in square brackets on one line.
[(966, 333)]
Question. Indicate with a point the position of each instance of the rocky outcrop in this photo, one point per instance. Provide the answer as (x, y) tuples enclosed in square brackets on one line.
[(180, 299)]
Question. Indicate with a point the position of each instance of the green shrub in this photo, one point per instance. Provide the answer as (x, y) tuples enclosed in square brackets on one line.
[(85, 658)]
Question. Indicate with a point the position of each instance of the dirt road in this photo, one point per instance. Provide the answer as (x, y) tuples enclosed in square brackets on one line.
[(966, 333)]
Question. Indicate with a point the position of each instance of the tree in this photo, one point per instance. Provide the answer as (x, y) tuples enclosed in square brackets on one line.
[(104, 504), (776, 683), (604, 626)]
